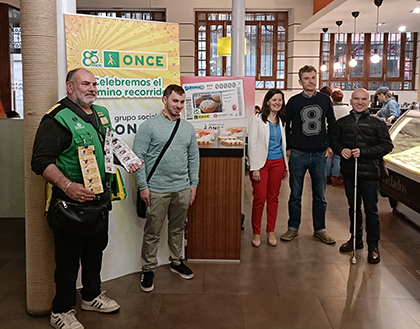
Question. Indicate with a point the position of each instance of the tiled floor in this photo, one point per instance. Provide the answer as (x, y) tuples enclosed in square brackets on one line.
[(299, 284)]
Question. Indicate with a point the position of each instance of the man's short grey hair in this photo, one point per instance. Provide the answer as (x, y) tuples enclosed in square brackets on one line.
[(71, 73)]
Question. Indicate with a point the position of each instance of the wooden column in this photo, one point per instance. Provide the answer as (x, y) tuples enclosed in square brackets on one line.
[(40, 90)]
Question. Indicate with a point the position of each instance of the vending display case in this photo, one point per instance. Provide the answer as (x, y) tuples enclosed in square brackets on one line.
[(403, 164)]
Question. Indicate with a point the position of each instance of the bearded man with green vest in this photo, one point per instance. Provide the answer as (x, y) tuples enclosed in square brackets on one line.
[(72, 123)]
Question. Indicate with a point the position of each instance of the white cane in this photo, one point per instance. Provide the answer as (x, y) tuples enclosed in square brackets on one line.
[(353, 259)]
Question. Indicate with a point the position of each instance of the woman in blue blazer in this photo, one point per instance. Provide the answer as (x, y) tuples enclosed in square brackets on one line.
[(268, 164)]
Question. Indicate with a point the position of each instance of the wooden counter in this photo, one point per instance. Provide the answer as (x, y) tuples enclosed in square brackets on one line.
[(214, 220)]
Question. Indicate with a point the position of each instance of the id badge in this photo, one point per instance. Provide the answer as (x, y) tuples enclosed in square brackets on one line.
[(103, 118), (104, 121), (90, 171)]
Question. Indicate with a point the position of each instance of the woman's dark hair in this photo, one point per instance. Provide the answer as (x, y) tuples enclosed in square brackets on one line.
[(265, 108), (337, 95), (326, 90)]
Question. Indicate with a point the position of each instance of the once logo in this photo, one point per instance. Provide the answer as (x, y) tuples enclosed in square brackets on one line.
[(111, 59), (135, 60), (79, 126)]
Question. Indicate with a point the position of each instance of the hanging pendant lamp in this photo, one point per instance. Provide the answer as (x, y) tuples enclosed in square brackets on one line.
[(353, 61), (337, 64), (375, 59), (323, 67)]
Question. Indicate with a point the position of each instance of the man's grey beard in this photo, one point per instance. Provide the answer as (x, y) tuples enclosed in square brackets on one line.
[(83, 103)]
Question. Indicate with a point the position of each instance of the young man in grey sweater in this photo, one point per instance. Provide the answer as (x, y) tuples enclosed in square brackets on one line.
[(172, 187)]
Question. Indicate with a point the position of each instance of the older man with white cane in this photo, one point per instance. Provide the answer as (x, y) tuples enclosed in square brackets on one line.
[(362, 140)]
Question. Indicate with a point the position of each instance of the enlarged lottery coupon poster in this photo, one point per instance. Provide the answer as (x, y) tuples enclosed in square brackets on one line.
[(215, 100)]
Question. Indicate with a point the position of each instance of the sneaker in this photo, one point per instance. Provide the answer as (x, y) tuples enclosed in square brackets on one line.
[(324, 237), (102, 304), (146, 281), (289, 235), (65, 320), (183, 270)]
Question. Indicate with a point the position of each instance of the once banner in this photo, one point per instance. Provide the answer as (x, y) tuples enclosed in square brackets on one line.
[(133, 62)]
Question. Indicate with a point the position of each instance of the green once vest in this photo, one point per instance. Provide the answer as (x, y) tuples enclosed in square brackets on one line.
[(84, 134)]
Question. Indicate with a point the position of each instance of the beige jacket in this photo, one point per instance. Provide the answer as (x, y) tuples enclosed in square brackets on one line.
[(258, 139)]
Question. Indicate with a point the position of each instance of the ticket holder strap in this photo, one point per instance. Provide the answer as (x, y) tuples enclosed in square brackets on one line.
[(95, 123)]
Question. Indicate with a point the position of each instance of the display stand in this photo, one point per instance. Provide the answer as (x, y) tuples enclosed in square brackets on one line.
[(214, 220)]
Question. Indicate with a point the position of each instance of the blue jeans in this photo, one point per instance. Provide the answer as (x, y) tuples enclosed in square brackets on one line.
[(299, 163), (333, 166), (367, 190)]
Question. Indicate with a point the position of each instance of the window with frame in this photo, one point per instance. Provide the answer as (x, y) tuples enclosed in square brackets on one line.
[(145, 15), (266, 46), (396, 69)]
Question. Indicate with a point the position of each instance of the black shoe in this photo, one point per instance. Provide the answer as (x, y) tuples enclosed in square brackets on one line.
[(373, 255), (183, 270), (146, 282), (348, 246)]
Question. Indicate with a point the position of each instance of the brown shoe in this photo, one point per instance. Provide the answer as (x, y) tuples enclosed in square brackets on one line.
[(329, 180), (336, 181), (373, 255), (348, 246)]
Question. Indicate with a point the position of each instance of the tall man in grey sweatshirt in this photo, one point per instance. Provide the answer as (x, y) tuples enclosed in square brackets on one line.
[(172, 188)]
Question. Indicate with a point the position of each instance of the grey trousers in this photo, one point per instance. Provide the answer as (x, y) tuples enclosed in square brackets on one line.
[(175, 205)]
